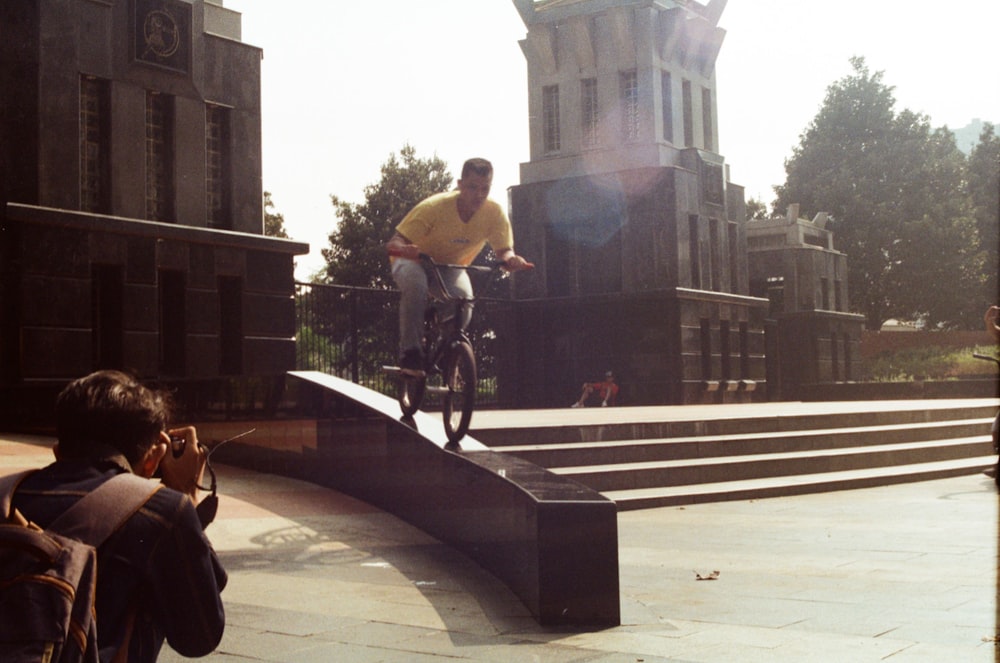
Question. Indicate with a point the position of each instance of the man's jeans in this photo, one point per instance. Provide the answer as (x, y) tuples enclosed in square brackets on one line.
[(412, 281)]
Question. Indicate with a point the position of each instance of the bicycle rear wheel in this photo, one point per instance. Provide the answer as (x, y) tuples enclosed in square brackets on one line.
[(410, 394), (460, 380)]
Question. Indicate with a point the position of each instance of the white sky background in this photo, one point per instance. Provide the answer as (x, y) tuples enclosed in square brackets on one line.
[(345, 84)]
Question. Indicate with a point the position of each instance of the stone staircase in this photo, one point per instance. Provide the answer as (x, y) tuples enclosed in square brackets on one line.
[(648, 457)]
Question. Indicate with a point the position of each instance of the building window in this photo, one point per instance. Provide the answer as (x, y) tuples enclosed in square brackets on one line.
[(694, 250), (107, 300), (744, 350), (560, 261), (834, 357), (847, 357), (714, 256), (230, 325), (630, 105), (159, 157), (173, 323), (590, 112), (217, 166), (725, 350), (705, 338), (667, 99), (599, 264), (775, 295), (576, 266), (95, 145), (550, 118), (734, 257), (688, 110), (706, 119)]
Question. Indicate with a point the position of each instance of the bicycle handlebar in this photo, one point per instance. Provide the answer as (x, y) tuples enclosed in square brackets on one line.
[(482, 269), (424, 258)]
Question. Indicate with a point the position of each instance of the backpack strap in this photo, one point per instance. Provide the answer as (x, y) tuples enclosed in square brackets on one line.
[(97, 515), (8, 485)]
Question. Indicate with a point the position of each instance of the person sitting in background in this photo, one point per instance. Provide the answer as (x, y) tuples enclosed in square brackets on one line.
[(606, 390)]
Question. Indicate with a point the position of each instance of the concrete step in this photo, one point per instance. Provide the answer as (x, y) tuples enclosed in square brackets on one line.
[(643, 457), (568, 454), (650, 474), (498, 429), (747, 489)]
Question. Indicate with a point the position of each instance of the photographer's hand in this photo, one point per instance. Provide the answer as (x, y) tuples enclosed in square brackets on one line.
[(184, 472)]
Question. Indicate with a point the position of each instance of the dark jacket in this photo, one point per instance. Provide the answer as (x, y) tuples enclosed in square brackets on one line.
[(158, 563)]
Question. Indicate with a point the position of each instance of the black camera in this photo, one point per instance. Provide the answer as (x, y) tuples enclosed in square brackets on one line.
[(177, 445)]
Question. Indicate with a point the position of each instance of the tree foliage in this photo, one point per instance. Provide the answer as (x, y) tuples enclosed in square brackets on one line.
[(356, 254), (757, 210), (896, 192), (984, 190), (274, 222)]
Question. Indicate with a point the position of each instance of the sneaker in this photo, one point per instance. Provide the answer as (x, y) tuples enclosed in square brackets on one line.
[(411, 363), (576, 405)]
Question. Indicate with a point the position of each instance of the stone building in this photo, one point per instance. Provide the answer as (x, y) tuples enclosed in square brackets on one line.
[(131, 220), (793, 263), (627, 209)]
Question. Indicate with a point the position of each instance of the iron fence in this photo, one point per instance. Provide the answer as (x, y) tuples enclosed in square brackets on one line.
[(352, 332)]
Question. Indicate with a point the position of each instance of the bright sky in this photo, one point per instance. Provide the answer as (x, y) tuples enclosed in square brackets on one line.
[(345, 84)]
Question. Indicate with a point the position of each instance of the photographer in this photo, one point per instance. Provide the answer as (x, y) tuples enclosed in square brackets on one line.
[(158, 576)]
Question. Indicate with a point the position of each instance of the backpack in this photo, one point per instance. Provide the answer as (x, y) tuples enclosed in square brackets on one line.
[(48, 578)]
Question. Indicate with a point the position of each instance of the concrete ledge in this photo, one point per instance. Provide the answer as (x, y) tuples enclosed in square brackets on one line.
[(553, 541), (912, 390)]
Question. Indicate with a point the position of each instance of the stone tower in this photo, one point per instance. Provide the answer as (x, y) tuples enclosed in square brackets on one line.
[(627, 209)]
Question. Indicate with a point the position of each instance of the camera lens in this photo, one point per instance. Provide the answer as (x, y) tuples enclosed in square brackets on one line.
[(177, 445)]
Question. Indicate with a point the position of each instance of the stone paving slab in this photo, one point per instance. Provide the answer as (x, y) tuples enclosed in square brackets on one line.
[(899, 573)]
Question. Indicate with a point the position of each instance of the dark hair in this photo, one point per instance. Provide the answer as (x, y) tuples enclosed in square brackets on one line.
[(110, 408), (480, 167)]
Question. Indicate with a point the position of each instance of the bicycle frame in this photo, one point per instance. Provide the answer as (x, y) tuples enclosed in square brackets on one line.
[(448, 352), (440, 293)]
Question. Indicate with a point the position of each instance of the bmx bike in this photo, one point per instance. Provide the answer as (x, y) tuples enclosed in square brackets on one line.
[(449, 362), (995, 431)]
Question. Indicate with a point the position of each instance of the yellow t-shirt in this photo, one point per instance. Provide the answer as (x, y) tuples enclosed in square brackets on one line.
[(435, 226)]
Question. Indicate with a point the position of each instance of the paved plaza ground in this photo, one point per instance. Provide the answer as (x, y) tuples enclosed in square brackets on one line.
[(901, 573)]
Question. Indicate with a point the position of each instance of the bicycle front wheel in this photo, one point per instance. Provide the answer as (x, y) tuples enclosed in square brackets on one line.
[(411, 394), (460, 397)]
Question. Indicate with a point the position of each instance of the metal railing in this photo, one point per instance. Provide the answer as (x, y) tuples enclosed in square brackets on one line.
[(352, 332)]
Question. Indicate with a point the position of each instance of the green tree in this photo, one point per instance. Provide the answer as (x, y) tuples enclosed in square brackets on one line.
[(757, 210), (895, 191), (357, 328), (274, 222), (984, 189), (356, 255)]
